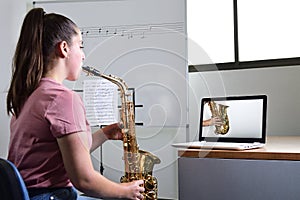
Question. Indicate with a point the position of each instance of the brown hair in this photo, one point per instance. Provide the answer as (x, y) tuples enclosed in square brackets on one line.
[(40, 34)]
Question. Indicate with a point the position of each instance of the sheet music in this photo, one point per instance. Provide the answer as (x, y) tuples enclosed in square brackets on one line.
[(101, 102)]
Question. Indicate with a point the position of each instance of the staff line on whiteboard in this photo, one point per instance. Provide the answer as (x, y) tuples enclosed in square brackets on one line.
[(133, 30)]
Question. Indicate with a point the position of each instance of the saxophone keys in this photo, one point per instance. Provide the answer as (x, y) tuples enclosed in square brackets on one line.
[(125, 130)]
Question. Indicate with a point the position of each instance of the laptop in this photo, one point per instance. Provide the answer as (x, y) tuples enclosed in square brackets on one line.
[(234, 122)]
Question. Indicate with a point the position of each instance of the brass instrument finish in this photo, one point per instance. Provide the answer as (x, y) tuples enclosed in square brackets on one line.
[(138, 163), (219, 110)]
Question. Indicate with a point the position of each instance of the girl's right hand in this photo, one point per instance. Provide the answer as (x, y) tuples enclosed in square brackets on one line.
[(135, 189)]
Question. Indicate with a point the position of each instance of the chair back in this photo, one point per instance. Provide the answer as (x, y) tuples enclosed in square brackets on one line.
[(12, 186)]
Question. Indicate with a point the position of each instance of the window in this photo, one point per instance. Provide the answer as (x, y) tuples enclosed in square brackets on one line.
[(238, 34)]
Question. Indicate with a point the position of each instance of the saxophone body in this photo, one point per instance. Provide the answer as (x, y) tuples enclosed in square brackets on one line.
[(220, 110), (139, 164)]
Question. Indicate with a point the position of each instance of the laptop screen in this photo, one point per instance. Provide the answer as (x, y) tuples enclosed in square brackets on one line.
[(233, 119)]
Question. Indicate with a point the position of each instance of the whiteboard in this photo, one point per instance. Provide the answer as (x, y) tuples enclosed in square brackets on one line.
[(141, 41)]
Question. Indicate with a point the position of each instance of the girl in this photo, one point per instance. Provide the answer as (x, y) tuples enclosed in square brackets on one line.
[(51, 141)]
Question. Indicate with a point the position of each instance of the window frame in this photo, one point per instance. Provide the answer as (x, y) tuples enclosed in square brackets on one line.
[(240, 65)]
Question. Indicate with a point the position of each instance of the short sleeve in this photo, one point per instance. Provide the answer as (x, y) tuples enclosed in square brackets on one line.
[(66, 114)]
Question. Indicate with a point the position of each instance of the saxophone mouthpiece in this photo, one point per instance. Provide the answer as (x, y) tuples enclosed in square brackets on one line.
[(85, 67), (88, 68), (91, 71)]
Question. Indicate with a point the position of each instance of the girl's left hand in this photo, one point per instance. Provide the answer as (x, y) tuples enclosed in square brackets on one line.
[(113, 131)]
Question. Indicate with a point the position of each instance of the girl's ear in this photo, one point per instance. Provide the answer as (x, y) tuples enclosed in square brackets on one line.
[(63, 49)]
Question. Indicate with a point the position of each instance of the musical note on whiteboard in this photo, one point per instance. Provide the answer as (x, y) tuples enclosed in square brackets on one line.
[(100, 98), (133, 30)]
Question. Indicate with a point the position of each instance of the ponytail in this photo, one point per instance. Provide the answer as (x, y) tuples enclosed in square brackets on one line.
[(40, 33), (27, 66)]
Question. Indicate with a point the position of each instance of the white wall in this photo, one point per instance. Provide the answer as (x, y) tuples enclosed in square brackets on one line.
[(281, 85), (11, 16)]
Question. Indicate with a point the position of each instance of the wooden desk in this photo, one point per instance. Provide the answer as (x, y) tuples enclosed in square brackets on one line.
[(272, 172), (277, 148)]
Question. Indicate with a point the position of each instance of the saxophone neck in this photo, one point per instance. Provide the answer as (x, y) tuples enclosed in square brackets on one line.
[(114, 79)]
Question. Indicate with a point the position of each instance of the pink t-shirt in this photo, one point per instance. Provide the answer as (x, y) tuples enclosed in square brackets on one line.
[(52, 111)]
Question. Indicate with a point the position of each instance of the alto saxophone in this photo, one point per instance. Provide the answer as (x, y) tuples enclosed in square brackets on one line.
[(138, 163), (219, 110)]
